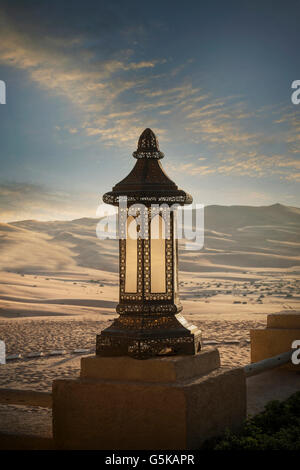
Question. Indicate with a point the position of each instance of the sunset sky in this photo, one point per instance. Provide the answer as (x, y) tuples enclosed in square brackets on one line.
[(211, 78)]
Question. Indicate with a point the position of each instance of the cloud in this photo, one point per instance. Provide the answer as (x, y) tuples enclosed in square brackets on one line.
[(191, 169), (68, 68), (250, 164), (115, 93), (220, 121), (19, 201), (291, 135)]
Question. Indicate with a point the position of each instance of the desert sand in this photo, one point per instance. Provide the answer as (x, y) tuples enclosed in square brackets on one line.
[(59, 286)]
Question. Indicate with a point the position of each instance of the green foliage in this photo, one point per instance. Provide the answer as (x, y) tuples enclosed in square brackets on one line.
[(276, 428)]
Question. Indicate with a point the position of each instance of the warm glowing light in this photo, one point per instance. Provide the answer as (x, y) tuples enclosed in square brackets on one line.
[(131, 256), (158, 255)]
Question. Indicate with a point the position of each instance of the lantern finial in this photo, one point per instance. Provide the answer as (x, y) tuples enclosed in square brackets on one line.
[(148, 146)]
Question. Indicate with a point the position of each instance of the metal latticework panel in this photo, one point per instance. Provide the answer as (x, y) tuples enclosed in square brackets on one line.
[(149, 322)]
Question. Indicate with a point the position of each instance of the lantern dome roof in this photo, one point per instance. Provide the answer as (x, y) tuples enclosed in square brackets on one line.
[(147, 182)]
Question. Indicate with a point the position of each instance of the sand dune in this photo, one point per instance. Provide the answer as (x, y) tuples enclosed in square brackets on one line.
[(63, 263), (59, 284), (236, 237), (229, 218)]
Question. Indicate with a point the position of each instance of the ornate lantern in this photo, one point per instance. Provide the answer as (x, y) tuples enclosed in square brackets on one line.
[(149, 322)]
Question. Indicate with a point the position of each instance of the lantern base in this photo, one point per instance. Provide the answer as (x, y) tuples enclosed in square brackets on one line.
[(169, 336), (163, 403)]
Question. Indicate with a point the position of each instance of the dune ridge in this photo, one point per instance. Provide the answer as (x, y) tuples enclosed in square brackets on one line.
[(236, 237)]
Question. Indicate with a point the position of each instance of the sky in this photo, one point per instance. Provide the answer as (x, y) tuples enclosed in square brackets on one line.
[(83, 79)]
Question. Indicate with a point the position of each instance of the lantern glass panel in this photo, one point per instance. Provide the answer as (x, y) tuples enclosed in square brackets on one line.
[(158, 255), (131, 267)]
